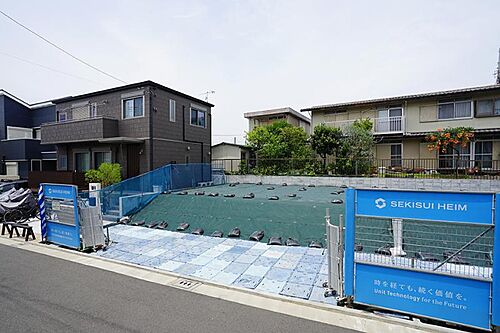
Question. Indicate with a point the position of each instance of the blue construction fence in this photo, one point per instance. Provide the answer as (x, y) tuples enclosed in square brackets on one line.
[(131, 195)]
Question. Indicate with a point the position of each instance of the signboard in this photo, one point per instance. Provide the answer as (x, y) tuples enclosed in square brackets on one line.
[(61, 214), (442, 297), (430, 206), (461, 300)]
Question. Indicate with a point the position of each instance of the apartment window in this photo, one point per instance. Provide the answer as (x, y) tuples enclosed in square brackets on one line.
[(93, 110), (82, 161), (198, 117), (447, 159), (454, 110), (62, 116), (483, 155), (133, 107), (171, 110), (396, 154), (488, 108), (101, 157), (389, 120), (19, 133)]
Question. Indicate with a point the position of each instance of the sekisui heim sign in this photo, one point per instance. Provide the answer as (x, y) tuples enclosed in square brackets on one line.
[(453, 298), (430, 206)]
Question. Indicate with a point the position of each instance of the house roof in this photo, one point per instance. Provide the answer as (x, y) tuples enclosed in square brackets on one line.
[(231, 144), (402, 98), (131, 86), (277, 111), (26, 104)]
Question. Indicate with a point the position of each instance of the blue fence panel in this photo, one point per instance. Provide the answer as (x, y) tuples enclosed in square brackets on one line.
[(495, 317), (384, 281), (166, 178)]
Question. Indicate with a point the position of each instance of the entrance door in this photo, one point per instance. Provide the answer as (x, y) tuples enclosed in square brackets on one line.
[(133, 160)]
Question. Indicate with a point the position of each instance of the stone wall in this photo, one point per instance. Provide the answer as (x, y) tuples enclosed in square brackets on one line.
[(483, 185)]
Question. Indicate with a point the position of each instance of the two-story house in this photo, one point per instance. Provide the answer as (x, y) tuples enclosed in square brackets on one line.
[(20, 147), (400, 124), (266, 117), (141, 126)]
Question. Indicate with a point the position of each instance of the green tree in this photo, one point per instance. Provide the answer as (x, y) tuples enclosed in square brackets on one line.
[(326, 141), (279, 147), (107, 174), (356, 151)]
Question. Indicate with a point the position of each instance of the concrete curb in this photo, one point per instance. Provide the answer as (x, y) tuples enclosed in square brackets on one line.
[(328, 314)]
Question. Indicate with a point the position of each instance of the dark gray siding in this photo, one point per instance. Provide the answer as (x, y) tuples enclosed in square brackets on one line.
[(110, 105), (172, 139)]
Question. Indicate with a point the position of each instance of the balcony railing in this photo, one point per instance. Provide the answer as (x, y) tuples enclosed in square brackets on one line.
[(78, 130), (383, 125)]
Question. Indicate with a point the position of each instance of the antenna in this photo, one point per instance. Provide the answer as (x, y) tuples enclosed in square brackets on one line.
[(498, 67), (206, 93)]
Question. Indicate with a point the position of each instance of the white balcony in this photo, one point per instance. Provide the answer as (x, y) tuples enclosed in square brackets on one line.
[(384, 125)]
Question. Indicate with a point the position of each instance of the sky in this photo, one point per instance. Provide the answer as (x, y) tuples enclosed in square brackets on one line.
[(255, 54)]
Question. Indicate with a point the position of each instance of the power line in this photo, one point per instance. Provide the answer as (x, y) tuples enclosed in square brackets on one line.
[(60, 48), (43, 66)]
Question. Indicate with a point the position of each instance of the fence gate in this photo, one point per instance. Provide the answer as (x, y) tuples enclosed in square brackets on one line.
[(431, 254)]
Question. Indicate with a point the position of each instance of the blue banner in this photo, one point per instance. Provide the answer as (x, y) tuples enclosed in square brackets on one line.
[(453, 299), (430, 206), (61, 214)]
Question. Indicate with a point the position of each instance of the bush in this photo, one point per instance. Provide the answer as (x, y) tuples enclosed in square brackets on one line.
[(107, 174)]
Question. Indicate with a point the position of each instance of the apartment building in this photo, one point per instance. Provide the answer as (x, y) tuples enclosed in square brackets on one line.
[(21, 149), (400, 124), (266, 117), (141, 126)]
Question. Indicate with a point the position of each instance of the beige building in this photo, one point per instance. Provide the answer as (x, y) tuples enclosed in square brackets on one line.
[(266, 117), (400, 124), (229, 156)]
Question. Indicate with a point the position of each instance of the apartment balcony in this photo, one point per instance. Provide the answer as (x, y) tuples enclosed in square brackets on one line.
[(79, 130), (385, 125)]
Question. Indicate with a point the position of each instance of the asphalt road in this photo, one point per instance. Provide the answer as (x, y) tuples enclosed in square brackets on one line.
[(39, 293)]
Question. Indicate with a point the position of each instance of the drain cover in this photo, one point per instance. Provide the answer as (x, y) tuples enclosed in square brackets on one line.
[(185, 283)]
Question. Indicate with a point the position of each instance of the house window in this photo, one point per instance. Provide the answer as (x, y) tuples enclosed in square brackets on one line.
[(484, 154), (19, 133), (101, 157), (82, 161), (62, 162), (171, 110), (11, 169), (93, 110), (447, 159), (488, 108), (36, 165), (454, 110), (133, 107), (198, 117), (62, 116), (396, 154), (37, 133)]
